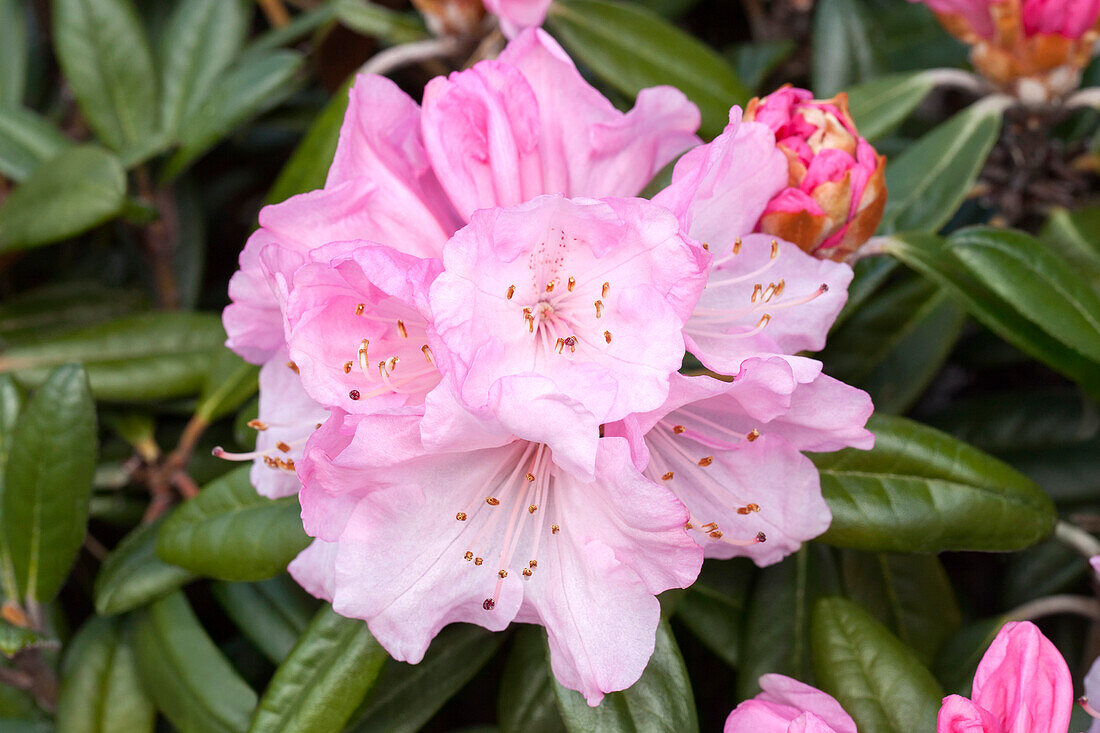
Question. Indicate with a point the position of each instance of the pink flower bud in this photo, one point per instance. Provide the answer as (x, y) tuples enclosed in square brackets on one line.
[(836, 188)]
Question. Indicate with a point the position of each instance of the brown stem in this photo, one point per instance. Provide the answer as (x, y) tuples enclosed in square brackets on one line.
[(275, 12), (161, 238)]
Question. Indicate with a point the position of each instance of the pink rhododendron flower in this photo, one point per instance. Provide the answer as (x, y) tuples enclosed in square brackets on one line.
[(1092, 695), (515, 15), (1022, 685), (786, 705)]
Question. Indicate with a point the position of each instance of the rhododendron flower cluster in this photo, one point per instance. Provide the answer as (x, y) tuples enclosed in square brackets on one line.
[(471, 340), (786, 705)]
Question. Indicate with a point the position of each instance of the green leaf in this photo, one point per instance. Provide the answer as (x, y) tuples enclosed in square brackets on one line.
[(526, 702), (755, 61), (960, 655), (232, 533), (928, 182), (300, 26), (229, 384), (204, 36), (13, 53), (11, 405), (272, 614), (308, 166), (39, 314), (133, 576), (106, 59), (1075, 236), (878, 106), (317, 688), (909, 594), (101, 690), (14, 639), (190, 681), (843, 53), (372, 19), (919, 490), (27, 140), (247, 90), (776, 635), (48, 481), (714, 607), (141, 357), (606, 36), (661, 700), (872, 674), (76, 190), (871, 273), (408, 695), (896, 343)]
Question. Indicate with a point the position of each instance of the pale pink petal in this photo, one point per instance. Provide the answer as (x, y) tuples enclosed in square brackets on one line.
[(960, 715), (789, 706), (515, 15), (315, 569), (1092, 695), (1094, 562), (784, 690), (809, 723)]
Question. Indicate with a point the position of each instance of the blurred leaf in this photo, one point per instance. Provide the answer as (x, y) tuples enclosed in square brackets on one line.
[(189, 256), (101, 690), (27, 140), (909, 594), (203, 37), (1011, 319), (896, 343), (47, 483), (669, 8), (607, 34), (406, 696), (36, 315), (878, 106), (872, 674), (843, 48), (11, 405), (372, 19), (272, 614), (76, 190), (777, 626), (247, 90), (102, 49), (13, 53), (1048, 568), (920, 490), (526, 702), (308, 166), (230, 382), (661, 700), (141, 357), (133, 575), (928, 182), (959, 657), (232, 533), (317, 688), (190, 681), (15, 639), (871, 273), (756, 60), (300, 25), (1075, 236), (714, 607)]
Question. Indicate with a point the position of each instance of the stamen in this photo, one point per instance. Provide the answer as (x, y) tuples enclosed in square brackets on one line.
[(511, 292), (530, 318), (706, 246), (364, 361), (527, 572), (748, 509), (755, 292), (427, 351), (599, 308), (572, 283), (488, 604), (607, 336), (604, 291), (257, 425), (354, 394), (667, 476), (461, 516), (706, 460), (559, 345), (478, 561), (550, 286), (752, 435), (347, 367), (737, 246), (571, 342), (678, 429), (1083, 701), (502, 573), (292, 367), (532, 509), (492, 501), (359, 309), (402, 329), (530, 477), (283, 447), (554, 529), (468, 556)]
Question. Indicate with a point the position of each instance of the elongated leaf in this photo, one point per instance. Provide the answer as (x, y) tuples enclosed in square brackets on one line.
[(1076, 237), (309, 163), (48, 481), (101, 690), (661, 700), (11, 405), (714, 607), (526, 703), (755, 61), (909, 594), (317, 688), (878, 106), (78, 189), (300, 26), (247, 90), (140, 357), (44, 312), (106, 59), (230, 382), (13, 53), (959, 657), (873, 675), (372, 19), (204, 38), (27, 140), (406, 696), (871, 273), (928, 182), (606, 35), (14, 639), (190, 681), (230, 532), (843, 51), (133, 576), (919, 490), (272, 614)]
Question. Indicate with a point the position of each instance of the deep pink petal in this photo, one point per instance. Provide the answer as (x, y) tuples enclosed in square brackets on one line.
[(515, 15), (960, 715)]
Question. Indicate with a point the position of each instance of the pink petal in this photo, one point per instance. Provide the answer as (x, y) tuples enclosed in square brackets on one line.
[(784, 690), (515, 15), (960, 715), (975, 12), (315, 569)]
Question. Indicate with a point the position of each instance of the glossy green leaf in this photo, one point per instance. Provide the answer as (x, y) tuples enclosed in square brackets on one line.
[(878, 106), (27, 140), (141, 357), (960, 655), (272, 613), (247, 90), (843, 51), (406, 696), (755, 61), (526, 702), (873, 675), (14, 639), (230, 532), (300, 26), (76, 190), (105, 55), (11, 405), (48, 310), (13, 53), (930, 179), (372, 19), (606, 35), (133, 576), (714, 607), (661, 700), (909, 594), (776, 636), (871, 273), (47, 483), (308, 166), (189, 679), (204, 38), (1075, 236), (230, 382), (919, 490), (317, 688), (101, 689)]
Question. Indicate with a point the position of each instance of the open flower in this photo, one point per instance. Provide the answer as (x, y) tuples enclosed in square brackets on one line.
[(1022, 685), (786, 705)]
